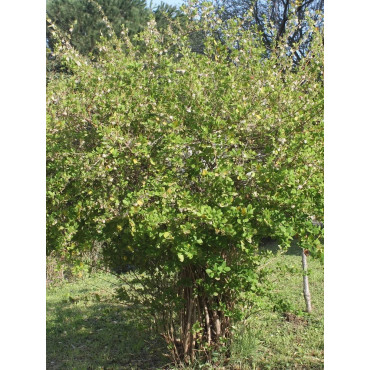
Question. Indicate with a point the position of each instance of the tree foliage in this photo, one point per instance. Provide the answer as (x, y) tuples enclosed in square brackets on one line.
[(83, 18), (83, 24), (181, 163), (165, 13), (271, 18)]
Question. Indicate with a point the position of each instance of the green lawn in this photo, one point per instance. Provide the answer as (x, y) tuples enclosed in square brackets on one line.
[(87, 328), (295, 340)]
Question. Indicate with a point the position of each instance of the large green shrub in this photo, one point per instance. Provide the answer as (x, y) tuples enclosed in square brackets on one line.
[(181, 162)]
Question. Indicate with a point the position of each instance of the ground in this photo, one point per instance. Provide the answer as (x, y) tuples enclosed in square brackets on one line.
[(87, 328)]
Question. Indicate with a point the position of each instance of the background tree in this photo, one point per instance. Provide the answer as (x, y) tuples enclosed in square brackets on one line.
[(89, 26), (83, 21), (271, 17), (164, 14)]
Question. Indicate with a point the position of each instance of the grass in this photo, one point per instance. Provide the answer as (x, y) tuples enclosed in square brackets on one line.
[(286, 340), (87, 328)]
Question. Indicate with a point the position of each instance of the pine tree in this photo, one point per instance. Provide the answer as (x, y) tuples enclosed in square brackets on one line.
[(88, 25)]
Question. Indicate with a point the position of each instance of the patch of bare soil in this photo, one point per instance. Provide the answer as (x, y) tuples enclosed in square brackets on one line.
[(294, 319)]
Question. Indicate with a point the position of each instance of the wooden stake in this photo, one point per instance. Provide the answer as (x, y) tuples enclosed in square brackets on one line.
[(306, 288)]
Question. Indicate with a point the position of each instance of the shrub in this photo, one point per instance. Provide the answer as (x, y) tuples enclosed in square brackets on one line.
[(181, 162)]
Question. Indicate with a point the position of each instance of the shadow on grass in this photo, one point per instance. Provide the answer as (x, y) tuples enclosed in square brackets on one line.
[(273, 246), (88, 334)]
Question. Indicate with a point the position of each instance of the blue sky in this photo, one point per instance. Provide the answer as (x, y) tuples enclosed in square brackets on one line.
[(170, 2)]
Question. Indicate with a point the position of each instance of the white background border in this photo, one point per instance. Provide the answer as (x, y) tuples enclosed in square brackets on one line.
[(22, 150), (22, 185)]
